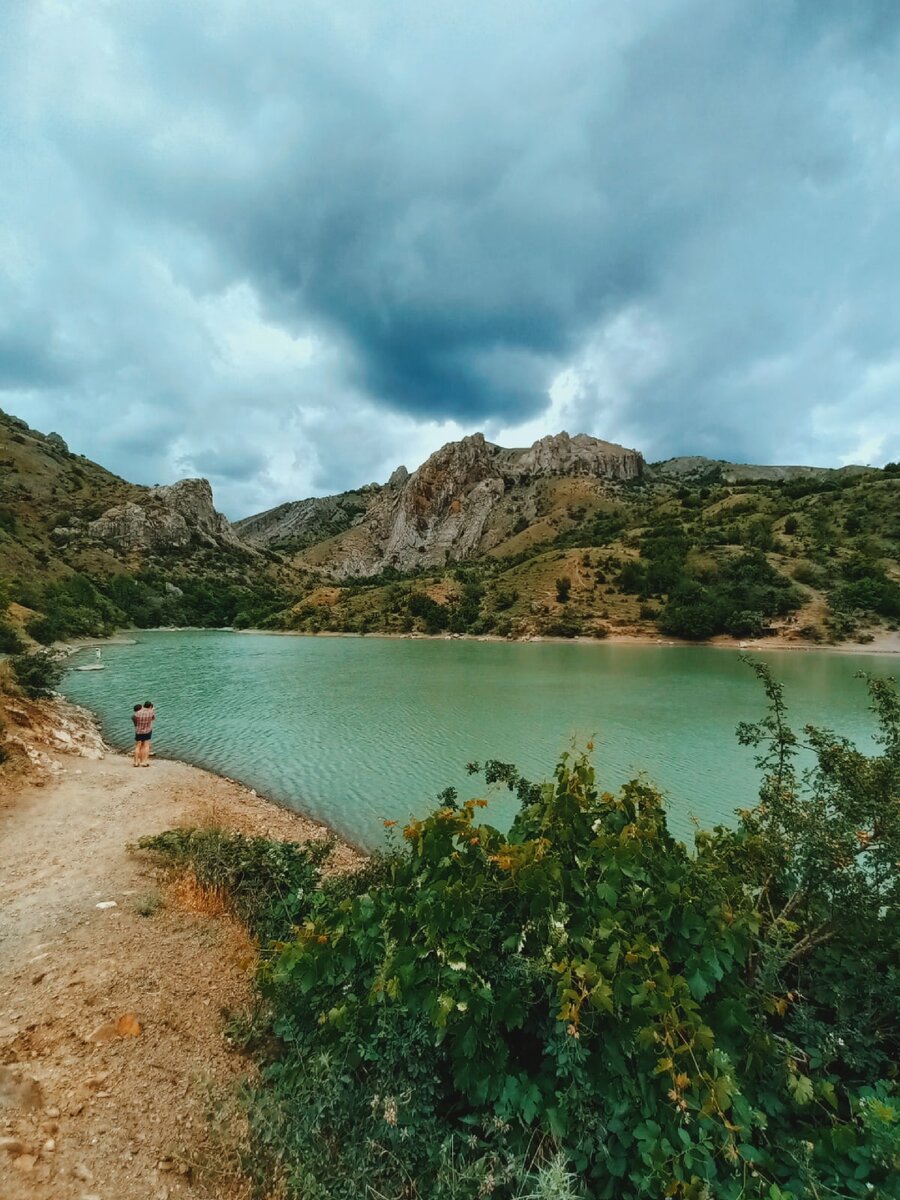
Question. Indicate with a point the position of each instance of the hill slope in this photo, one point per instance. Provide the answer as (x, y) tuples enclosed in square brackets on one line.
[(578, 536), (88, 551)]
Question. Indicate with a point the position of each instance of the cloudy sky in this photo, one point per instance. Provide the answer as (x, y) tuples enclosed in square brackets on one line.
[(289, 244)]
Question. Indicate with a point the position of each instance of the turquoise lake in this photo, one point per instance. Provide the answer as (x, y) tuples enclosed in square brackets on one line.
[(356, 731)]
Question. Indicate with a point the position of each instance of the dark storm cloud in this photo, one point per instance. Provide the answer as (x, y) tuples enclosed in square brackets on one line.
[(294, 245)]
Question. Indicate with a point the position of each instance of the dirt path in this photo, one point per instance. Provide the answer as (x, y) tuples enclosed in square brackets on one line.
[(90, 1108)]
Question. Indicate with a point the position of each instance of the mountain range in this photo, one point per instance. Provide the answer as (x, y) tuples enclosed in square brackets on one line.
[(566, 535)]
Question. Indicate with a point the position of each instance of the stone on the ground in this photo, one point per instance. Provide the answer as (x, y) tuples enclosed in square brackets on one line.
[(19, 1093)]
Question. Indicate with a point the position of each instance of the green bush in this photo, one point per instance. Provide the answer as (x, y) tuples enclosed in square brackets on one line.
[(269, 884), (73, 607), (738, 599), (504, 598), (867, 588), (434, 616), (10, 641), (810, 574), (585, 1003), (38, 674), (565, 626)]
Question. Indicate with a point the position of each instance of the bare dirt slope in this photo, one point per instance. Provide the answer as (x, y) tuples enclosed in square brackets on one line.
[(112, 1039)]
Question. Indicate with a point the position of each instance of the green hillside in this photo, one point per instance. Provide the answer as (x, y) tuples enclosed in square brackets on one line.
[(689, 556), (56, 581)]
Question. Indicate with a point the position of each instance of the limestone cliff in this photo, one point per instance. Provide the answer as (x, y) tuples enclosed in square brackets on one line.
[(173, 517), (693, 466), (440, 513)]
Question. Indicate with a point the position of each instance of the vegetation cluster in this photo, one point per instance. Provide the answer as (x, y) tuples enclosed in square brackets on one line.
[(78, 605), (584, 1007)]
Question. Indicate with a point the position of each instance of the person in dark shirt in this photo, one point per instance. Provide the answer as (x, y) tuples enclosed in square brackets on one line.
[(142, 718)]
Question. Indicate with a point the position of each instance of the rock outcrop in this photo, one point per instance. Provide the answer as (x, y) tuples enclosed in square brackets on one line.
[(439, 513), (559, 454), (171, 517), (301, 523)]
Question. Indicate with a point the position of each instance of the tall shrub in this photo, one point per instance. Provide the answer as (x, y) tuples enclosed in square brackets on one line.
[(584, 995)]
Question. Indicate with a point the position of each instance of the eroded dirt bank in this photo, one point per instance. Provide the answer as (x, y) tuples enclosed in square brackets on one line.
[(112, 1038)]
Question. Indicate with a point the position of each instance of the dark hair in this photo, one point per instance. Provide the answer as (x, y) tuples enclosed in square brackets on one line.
[(148, 704), (137, 708)]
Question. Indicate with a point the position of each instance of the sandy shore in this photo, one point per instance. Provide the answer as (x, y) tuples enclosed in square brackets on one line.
[(85, 1110)]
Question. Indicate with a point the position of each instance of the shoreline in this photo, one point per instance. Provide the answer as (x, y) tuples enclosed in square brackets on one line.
[(47, 733), (311, 826), (885, 644), (116, 972)]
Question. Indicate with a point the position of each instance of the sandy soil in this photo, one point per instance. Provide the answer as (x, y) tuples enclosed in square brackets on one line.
[(112, 1038)]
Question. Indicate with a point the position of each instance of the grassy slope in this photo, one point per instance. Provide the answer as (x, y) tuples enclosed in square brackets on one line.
[(42, 486)]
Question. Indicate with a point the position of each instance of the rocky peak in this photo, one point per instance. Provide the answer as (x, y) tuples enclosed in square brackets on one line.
[(192, 499), (168, 517), (438, 514), (560, 454)]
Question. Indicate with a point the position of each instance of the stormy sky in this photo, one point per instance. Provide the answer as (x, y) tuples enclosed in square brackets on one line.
[(291, 244)]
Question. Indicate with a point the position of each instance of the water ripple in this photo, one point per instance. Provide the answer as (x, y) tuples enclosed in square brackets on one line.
[(357, 731)]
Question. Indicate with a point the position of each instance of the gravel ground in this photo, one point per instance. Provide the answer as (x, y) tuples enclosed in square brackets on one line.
[(113, 1047)]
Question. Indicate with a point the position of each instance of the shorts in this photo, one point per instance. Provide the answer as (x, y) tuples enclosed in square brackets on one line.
[(143, 737)]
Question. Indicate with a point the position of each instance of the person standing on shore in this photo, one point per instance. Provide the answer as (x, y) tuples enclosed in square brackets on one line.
[(142, 718)]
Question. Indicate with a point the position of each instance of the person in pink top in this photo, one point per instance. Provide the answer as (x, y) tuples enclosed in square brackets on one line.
[(142, 718)]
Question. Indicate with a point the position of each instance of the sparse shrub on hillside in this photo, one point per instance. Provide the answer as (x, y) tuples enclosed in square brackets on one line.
[(10, 641), (738, 599), (504, 597), (566, 625), (632, 577), (433, 616), (38, 674), (810, 574), (74, 607), (563, 588), (866, 588), (810, 633), (758, 535)]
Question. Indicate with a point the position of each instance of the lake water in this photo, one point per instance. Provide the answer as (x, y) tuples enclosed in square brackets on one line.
[(356, 731)]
